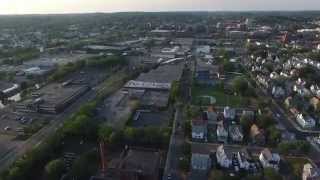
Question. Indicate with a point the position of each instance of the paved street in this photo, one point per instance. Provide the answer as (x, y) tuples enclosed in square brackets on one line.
[(174, 150), (177, 137)]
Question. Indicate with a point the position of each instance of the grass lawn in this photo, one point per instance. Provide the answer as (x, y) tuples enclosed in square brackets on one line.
[(222, 99)]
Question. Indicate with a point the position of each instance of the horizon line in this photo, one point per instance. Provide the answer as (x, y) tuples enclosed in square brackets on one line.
[(169, 11)]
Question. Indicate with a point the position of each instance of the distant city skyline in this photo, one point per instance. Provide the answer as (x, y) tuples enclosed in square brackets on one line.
[(89, 6)]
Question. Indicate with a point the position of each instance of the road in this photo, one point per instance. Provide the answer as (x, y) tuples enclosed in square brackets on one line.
[(174, 150), (177, 136)]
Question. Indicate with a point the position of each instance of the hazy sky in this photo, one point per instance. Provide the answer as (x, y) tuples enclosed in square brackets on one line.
[(75, 6)]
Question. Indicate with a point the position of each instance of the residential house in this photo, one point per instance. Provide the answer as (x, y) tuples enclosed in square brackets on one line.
[(248, 114), (206, 73), (199, 130), (229, 113), (278, 92), (257, 135), (222, 133), (305, 121), (269, 159), (205, 49), (235, 133), (287, 136), (212, 116), (245, 159), (200, 166), (200, 162), (310, 172), (224, 158), (315, 90)]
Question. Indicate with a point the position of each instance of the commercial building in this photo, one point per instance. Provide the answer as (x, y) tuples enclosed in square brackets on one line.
[(52, 99)]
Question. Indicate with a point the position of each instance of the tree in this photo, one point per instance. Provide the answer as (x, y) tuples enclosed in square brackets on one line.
[(299, 146), (54, 169), (265, 121), (228, 66), (246, 123), (240, 85), (174, 92), (105, 132), (184, 164), (271, 174), (85, 166), (274, 135)]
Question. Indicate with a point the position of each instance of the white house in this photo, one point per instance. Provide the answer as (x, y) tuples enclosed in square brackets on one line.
[(305, 121), (235, 133), (278, 91), (229, 113), (222, 133), (310, 172), (244, 159), (224, 158), (269, 159)]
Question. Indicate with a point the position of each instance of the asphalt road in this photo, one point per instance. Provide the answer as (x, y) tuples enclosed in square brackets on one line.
[(177, 137), (174, 150)]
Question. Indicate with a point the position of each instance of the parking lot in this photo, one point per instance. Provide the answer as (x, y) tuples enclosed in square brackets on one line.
[(143, 119), (14, 124)]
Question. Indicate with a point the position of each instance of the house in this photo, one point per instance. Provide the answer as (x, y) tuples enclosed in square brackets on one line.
[(257, 135), (222, 133), (206, 73), (200, 162), (278, 92), (224, 158), (305, 121), (248, 114), (229, 113), (200, 166), (245, 159), (205, 49), (269, 159), (235, 133), (199, 130), (212, 116), (310, 173), (287, 136)]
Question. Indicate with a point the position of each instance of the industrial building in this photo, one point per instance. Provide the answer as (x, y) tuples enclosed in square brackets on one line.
[(52, 99)]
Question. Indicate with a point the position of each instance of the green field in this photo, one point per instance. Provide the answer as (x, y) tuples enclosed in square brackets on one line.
[(222, 99)]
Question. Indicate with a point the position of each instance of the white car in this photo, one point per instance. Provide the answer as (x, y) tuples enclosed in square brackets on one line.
[(7, 128)]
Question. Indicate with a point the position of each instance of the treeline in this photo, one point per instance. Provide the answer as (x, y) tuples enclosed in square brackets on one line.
[(96, 62), (155, 137), (18, 56)]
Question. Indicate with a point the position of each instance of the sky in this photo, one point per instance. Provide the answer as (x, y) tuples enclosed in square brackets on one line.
[(85, 6)]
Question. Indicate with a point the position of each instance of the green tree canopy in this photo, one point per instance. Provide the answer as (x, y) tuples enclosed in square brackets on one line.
[(54, 169)]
